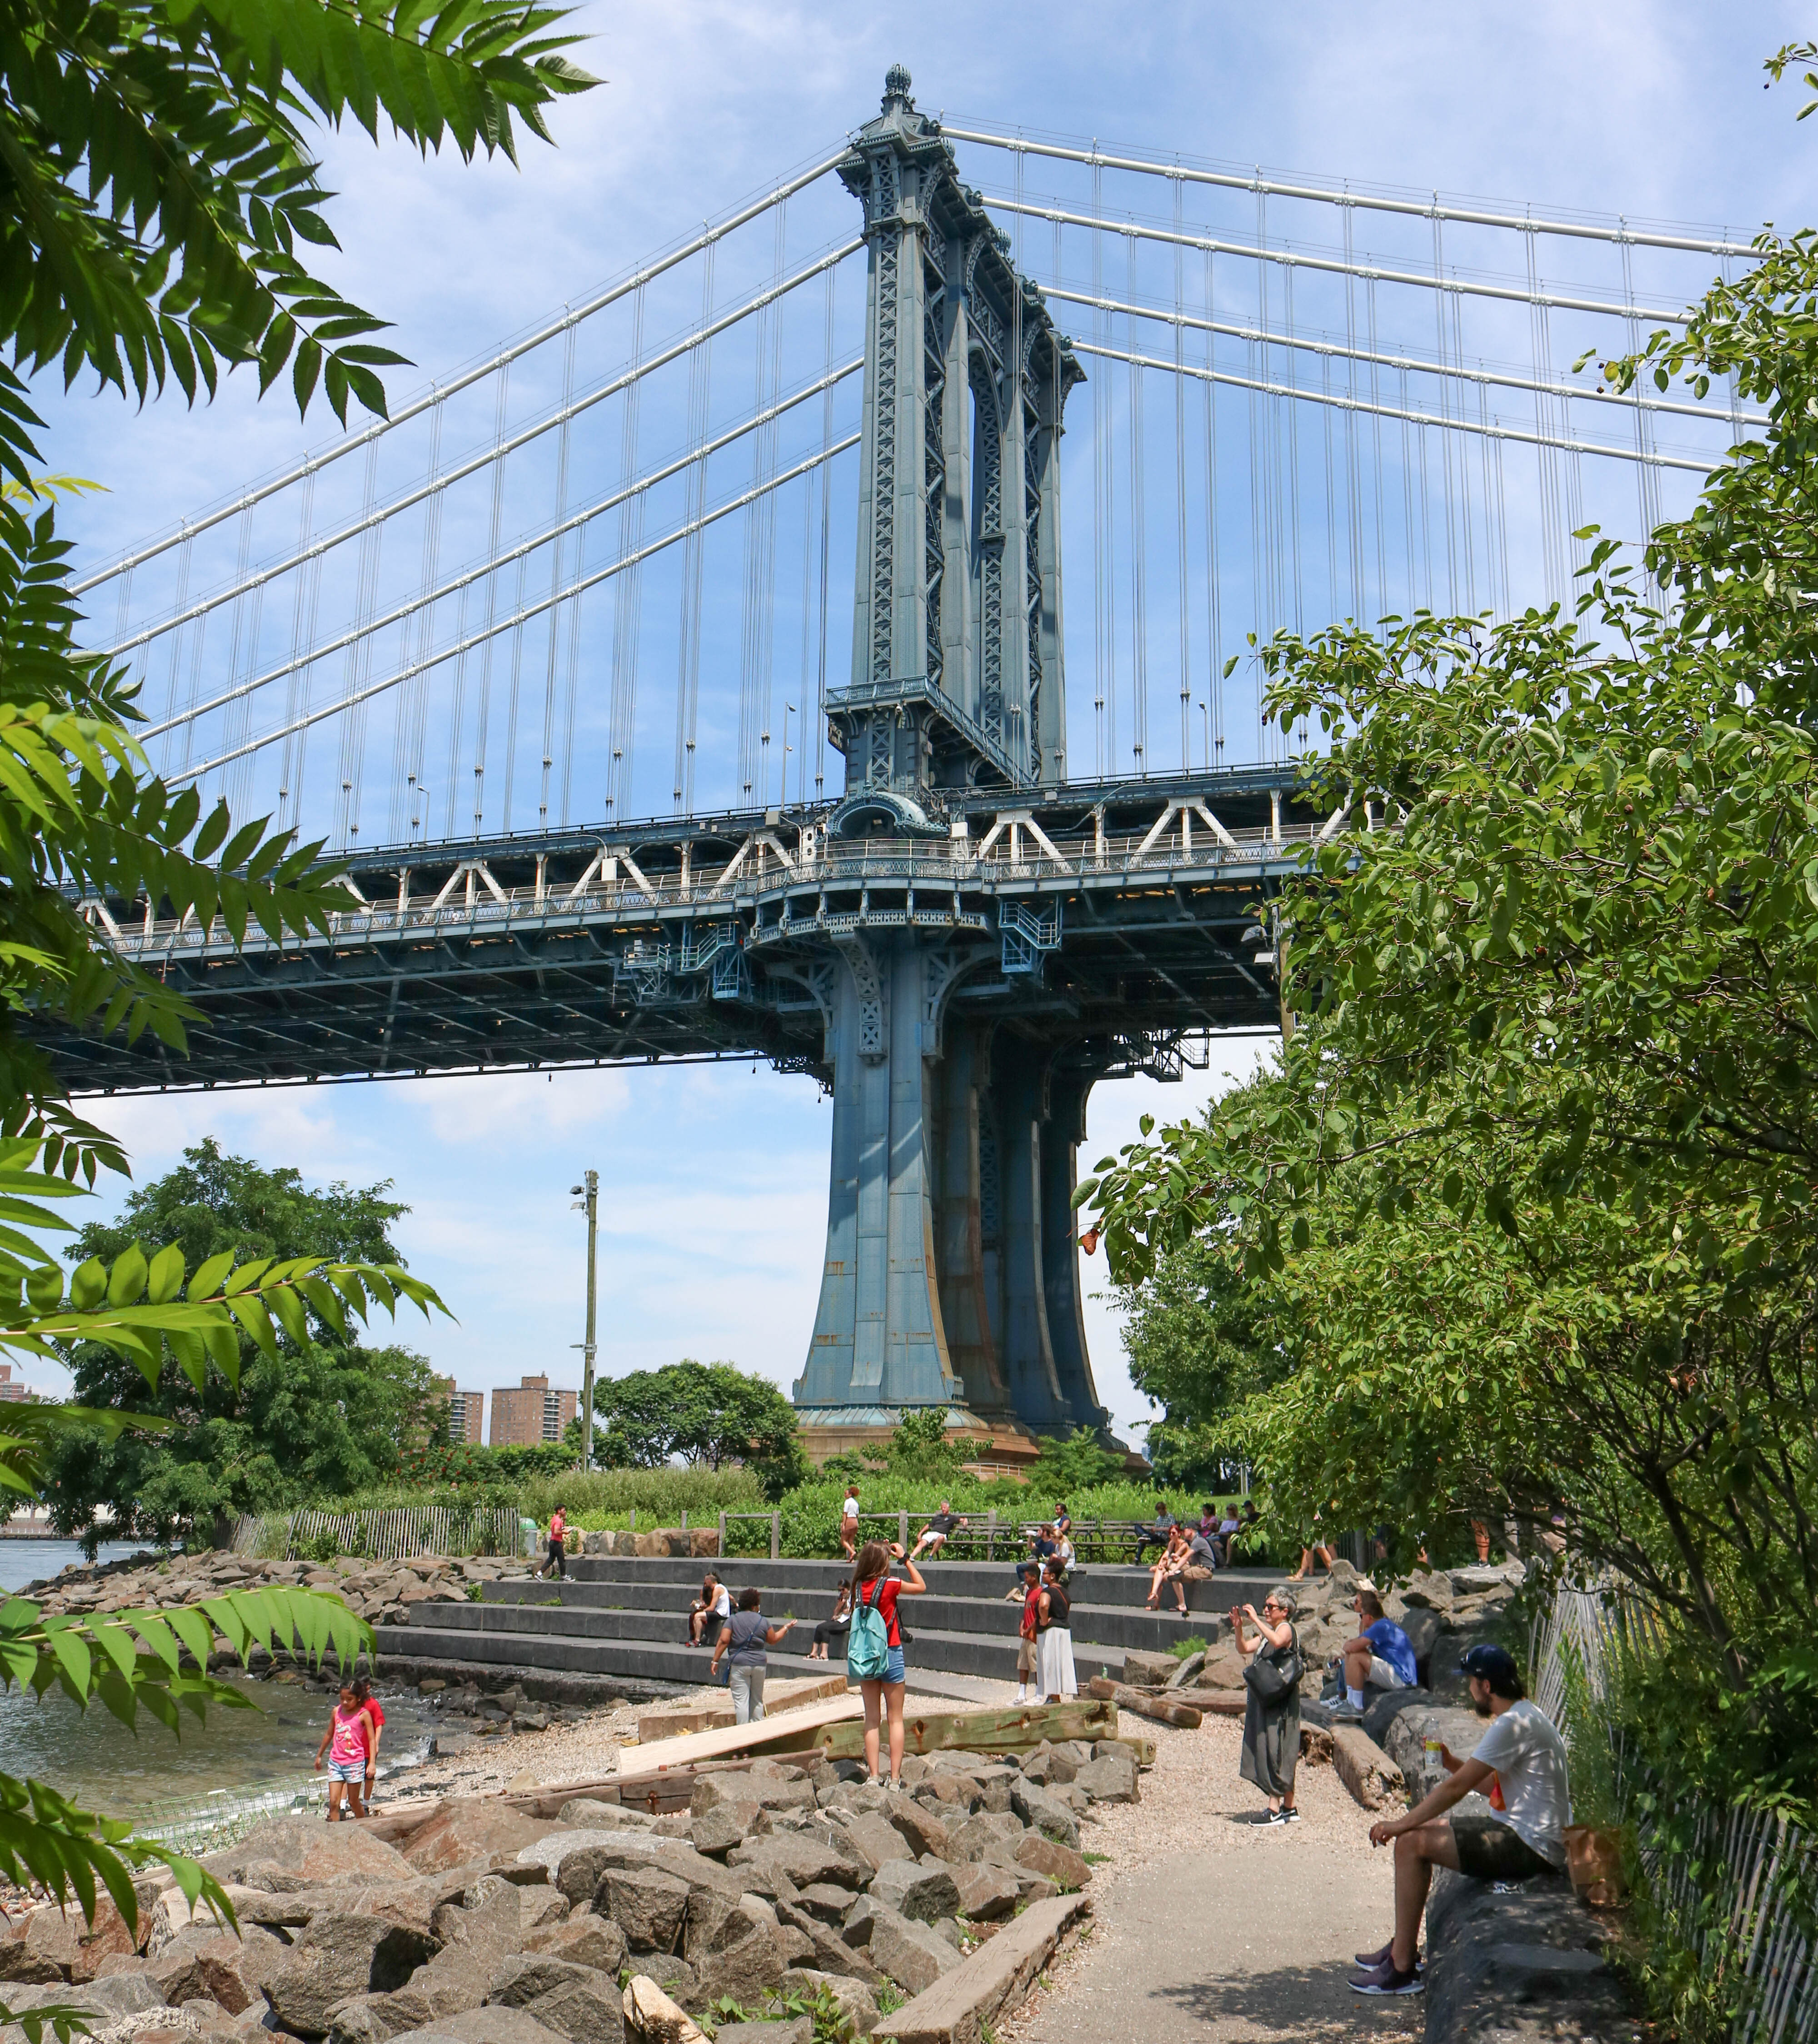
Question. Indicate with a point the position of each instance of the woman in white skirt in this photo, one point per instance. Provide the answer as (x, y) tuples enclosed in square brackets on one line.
[(1054, 1640)]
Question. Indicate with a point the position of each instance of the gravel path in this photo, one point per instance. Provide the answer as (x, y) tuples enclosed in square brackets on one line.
[(1211, 1928)]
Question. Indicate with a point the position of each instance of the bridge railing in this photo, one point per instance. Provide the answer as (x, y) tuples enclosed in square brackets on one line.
[(473, 897)]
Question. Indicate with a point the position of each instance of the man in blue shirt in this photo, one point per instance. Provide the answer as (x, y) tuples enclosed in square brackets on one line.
[(1381, 1657)]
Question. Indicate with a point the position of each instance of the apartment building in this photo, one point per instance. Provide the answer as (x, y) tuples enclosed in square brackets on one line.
[(466, 1411), (532, 1413)]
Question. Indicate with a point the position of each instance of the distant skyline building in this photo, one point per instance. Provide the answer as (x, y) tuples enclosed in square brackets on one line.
[(8, 1388), (530, 1414), (466, 1412)]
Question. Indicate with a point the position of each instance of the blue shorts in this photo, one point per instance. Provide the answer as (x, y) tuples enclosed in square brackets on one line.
[(347, 1770)]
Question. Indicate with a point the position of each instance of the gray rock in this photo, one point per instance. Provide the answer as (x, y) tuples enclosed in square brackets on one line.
[(878, 1839), (856, 2002), (988, 1894), (914, 1956), (1046, 1814), (576, 2002), (484, 2026), (988, 1830), (1186, 1671), (822, 1899), (804, 1859), (335, 1959), (717, 1830), (827, 1949), (647, 1905), (585, 1939), (922, 1889), (1112, 1780), (796, 2029), (1523, 1966)]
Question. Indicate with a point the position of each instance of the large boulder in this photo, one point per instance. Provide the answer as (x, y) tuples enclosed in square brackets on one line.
[(1111, 1780), (857, 2004), (988, 1894), (484, 2025), (879, 1840), (911, 1954), (925, 1832), (586, 1939), (1046, 1814), (1148, 1671), (734, 1947), (802, 1860), (54, 1944), (216, 1967), (830, 1952), (335, 1959), (647, 1905), (716, 1830), (923, 1889), (577, 2002), (472, 1827), (1056, 1862), (314, 1852)]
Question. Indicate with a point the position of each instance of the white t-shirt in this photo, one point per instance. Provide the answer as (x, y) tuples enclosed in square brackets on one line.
[(722, 1604), (1524, 1746), (850, 1508)]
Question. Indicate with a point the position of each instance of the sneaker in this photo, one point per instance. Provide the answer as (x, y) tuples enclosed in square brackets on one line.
[(1284, 1816), (1385, 1980), (1345, 1712), (1375, 1961)]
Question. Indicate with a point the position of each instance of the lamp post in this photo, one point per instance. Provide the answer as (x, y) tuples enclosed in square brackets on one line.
[(589, 1188)]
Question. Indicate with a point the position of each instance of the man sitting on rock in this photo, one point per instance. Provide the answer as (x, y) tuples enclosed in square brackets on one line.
[(1382, 1656), (1524, 1752)]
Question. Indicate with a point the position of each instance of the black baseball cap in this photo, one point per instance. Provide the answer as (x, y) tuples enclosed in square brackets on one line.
[(1495, 1665)]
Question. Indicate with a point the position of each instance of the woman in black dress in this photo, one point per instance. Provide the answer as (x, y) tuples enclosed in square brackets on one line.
[(1271, 1723)]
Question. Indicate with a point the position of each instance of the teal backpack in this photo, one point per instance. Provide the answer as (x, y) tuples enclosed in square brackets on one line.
[(868, 1643)]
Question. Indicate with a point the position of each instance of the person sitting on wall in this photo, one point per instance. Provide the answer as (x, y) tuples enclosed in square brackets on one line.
[(1382, 1656), (711, 1607), (835, 1627), (1523, 1751)]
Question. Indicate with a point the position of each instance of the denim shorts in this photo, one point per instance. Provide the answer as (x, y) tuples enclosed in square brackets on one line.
[(347, 1770)]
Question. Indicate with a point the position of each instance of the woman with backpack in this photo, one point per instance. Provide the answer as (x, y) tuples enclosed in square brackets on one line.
[(875, 1646)]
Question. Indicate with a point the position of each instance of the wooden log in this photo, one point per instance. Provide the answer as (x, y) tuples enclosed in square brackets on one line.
[(1362, 1766), (976, 1731), (1145, 1704)]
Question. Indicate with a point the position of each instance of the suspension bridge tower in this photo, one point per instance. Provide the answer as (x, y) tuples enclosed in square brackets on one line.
[(952, 1275)]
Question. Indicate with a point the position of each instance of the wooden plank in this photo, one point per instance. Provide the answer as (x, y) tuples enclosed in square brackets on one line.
[(1182, 1715)]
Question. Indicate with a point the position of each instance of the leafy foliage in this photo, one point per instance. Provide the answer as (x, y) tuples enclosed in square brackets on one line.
[(323, 1414), (157, 184), (706, 1414)]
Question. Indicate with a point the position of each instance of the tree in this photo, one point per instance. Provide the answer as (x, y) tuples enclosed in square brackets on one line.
[(153, 186), (321, 1418), (707, 1414)]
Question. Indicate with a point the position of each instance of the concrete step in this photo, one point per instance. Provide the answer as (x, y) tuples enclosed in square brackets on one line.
[(600, 1611), (1098, 1584)]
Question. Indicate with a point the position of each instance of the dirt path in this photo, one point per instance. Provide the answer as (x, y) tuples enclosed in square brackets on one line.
[(1213, 1928)]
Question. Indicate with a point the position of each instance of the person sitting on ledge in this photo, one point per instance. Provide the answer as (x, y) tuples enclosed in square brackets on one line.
[(1160, 1527), (712, 1606), (1523, 1751), (836, 1626), (1382, 1656)]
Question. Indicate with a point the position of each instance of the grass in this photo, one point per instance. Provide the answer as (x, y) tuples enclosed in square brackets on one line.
[(1095, 1859), (1184, 1649)]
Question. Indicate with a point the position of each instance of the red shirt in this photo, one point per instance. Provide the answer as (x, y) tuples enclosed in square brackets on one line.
[(1030, 1608), (372, 1710), (883, 1594)]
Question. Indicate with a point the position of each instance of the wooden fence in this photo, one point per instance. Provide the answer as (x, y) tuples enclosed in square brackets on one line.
[(392, 1535), (1742, 1897)]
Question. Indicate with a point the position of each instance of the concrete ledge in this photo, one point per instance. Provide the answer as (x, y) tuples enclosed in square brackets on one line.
[(956, 2009), (1522, 1968)]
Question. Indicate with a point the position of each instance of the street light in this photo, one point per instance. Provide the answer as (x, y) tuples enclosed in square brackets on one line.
[(590, 1190)]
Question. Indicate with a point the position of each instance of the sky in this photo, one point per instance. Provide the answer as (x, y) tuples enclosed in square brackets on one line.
[(714, 1179)]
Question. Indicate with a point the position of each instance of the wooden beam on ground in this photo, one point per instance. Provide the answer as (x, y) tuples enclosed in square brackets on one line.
[(1163, 1709), (1014, 1731)]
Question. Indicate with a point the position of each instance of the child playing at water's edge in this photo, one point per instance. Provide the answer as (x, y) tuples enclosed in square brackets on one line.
[(347, 1741)]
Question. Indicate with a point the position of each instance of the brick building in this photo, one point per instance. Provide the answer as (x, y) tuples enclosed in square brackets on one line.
[(8, 1388), (532, 1413), (466, 1411)]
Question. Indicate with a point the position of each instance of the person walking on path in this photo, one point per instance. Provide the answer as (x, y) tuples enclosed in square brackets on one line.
[(1524, 1752), (1053, 1640), (347, 1742), (874, 1647), (1272, 1707), (849, 1522), (558, 1536), (375, 1713), (743, 1639)]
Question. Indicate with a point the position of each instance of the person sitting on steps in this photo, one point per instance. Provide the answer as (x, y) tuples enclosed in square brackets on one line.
[(1172, 1566), (1523, 1751), (834, 1627), (711, 1607)]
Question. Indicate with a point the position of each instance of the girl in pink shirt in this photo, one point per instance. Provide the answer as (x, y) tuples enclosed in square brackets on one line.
[(347, 1741)]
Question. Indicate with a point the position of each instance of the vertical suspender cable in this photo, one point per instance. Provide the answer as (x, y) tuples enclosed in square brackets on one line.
[(1445, 408), (688, 635), (551, 658), (626, 613), (1334, 602), (1353, 480), (826, 537), (1292, 407), (1376, 450), (357, 668), (243, 656), (457, 735), (1104, 549), (1647, 475), (1466, 523), (1139, 545), (412, 703), (1180, 495), (1409, 562), (303, 599), (1214, 620)]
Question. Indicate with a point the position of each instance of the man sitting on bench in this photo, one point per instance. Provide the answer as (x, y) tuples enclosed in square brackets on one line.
[(933, 1536)]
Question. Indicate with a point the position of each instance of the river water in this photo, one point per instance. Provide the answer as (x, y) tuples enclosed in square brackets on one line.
[(91, 1756)]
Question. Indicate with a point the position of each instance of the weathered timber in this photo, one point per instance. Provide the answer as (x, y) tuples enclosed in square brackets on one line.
[(977, 1731), (958, 2007), (1145, 1704)]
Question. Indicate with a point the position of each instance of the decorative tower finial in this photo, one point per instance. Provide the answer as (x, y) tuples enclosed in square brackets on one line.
[(897, 82)]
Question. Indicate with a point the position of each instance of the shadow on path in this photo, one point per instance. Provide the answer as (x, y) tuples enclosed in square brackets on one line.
[(1301, 2002)]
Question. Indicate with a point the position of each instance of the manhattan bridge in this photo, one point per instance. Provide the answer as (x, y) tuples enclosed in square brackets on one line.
[(556, 659)]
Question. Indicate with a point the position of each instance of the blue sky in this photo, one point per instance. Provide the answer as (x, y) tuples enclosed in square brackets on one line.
[(715, 1177)]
